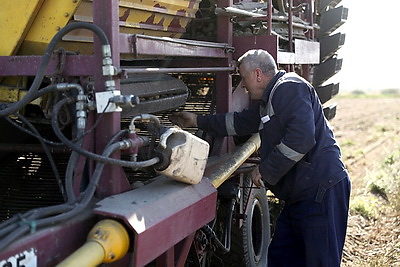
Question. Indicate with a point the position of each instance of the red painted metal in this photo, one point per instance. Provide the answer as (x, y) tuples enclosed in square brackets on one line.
[(223, 80), (162, 214), (167, 259), (176, 255), (75, 65), (53, 244), (106, 16), (266, 42), (183, 247)]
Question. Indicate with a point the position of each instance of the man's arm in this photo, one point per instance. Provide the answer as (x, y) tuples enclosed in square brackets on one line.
[(184, 119), (224, 124)]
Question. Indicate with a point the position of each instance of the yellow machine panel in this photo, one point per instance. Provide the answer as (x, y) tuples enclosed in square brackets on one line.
[(30, 25), (27, 27), (52, 16), (16, 17)]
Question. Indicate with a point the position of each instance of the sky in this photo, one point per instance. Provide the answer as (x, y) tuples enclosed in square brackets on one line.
[(371, 55)]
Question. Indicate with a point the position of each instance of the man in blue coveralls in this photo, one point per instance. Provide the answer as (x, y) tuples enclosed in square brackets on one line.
[(300, 161)]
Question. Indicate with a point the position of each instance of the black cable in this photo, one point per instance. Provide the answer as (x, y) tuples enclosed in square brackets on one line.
[(22, 129), (213, 236), (69, 176), (47, 152), (33, 222), (116, 136), (96, 157), (21, 224), (33, 92), (228, 225), (49, 142), (225, 246), (45, 61)]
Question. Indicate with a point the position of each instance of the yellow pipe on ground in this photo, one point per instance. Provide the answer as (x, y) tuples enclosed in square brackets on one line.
[(239, 156), (108, 241)]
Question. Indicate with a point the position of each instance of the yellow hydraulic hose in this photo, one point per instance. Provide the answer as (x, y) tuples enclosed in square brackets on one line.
[(234, 162), (108, 241)]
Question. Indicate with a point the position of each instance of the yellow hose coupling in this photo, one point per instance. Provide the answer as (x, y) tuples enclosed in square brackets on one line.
[(108, 241), (112, 236)]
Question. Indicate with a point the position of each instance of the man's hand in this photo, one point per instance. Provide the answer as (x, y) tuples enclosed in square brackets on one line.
[(257, 178), (184, 119)]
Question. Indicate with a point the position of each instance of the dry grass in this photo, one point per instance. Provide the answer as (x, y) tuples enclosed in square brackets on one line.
[(369, 137)]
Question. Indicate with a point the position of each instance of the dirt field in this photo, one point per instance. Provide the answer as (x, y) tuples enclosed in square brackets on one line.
[(368, 129)]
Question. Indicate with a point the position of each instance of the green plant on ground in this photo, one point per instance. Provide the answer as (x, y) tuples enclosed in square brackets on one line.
[(378, 191), (364, 206), (391, 92)]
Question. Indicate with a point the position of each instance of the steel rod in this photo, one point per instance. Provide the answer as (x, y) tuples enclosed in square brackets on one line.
[(269, 17), (176, 70)]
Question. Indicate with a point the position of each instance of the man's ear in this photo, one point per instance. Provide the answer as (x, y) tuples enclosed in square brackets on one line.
[(259, 74)]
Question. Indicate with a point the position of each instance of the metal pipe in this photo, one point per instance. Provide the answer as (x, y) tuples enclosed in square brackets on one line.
[(221, 174), (299, 24), (150, 117), (232, 11), (183, 41), (310, 17), (176, 70), (269, 17), (290, 25)]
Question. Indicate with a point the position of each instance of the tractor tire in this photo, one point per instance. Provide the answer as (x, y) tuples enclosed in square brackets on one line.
[(250, 239), (256, 229)]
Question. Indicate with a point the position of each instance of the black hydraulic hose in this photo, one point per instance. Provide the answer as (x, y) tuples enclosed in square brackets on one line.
[(47, 211), (211, 234), (27, 222), (9, 228), (18, 232), (88, 194), (69, 176), (30, 223), (116, 136), (59, 87), (36, 218), (96, 157), (17, 220), (225, 246), (47, 152), (22, 129), (43, 91), (45, 61), (228, 225)]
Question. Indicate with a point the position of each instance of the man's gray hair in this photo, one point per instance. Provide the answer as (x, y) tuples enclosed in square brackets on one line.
[(258, 58)]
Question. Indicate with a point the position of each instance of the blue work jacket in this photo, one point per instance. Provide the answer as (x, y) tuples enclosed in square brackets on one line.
[(299, 155)]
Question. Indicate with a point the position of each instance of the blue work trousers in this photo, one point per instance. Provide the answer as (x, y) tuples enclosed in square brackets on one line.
[(310, 232)]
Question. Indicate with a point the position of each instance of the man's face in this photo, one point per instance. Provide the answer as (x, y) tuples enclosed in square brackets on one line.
[(250, 82)]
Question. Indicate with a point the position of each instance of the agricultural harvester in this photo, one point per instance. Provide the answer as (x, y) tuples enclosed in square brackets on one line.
[(92, 171)]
